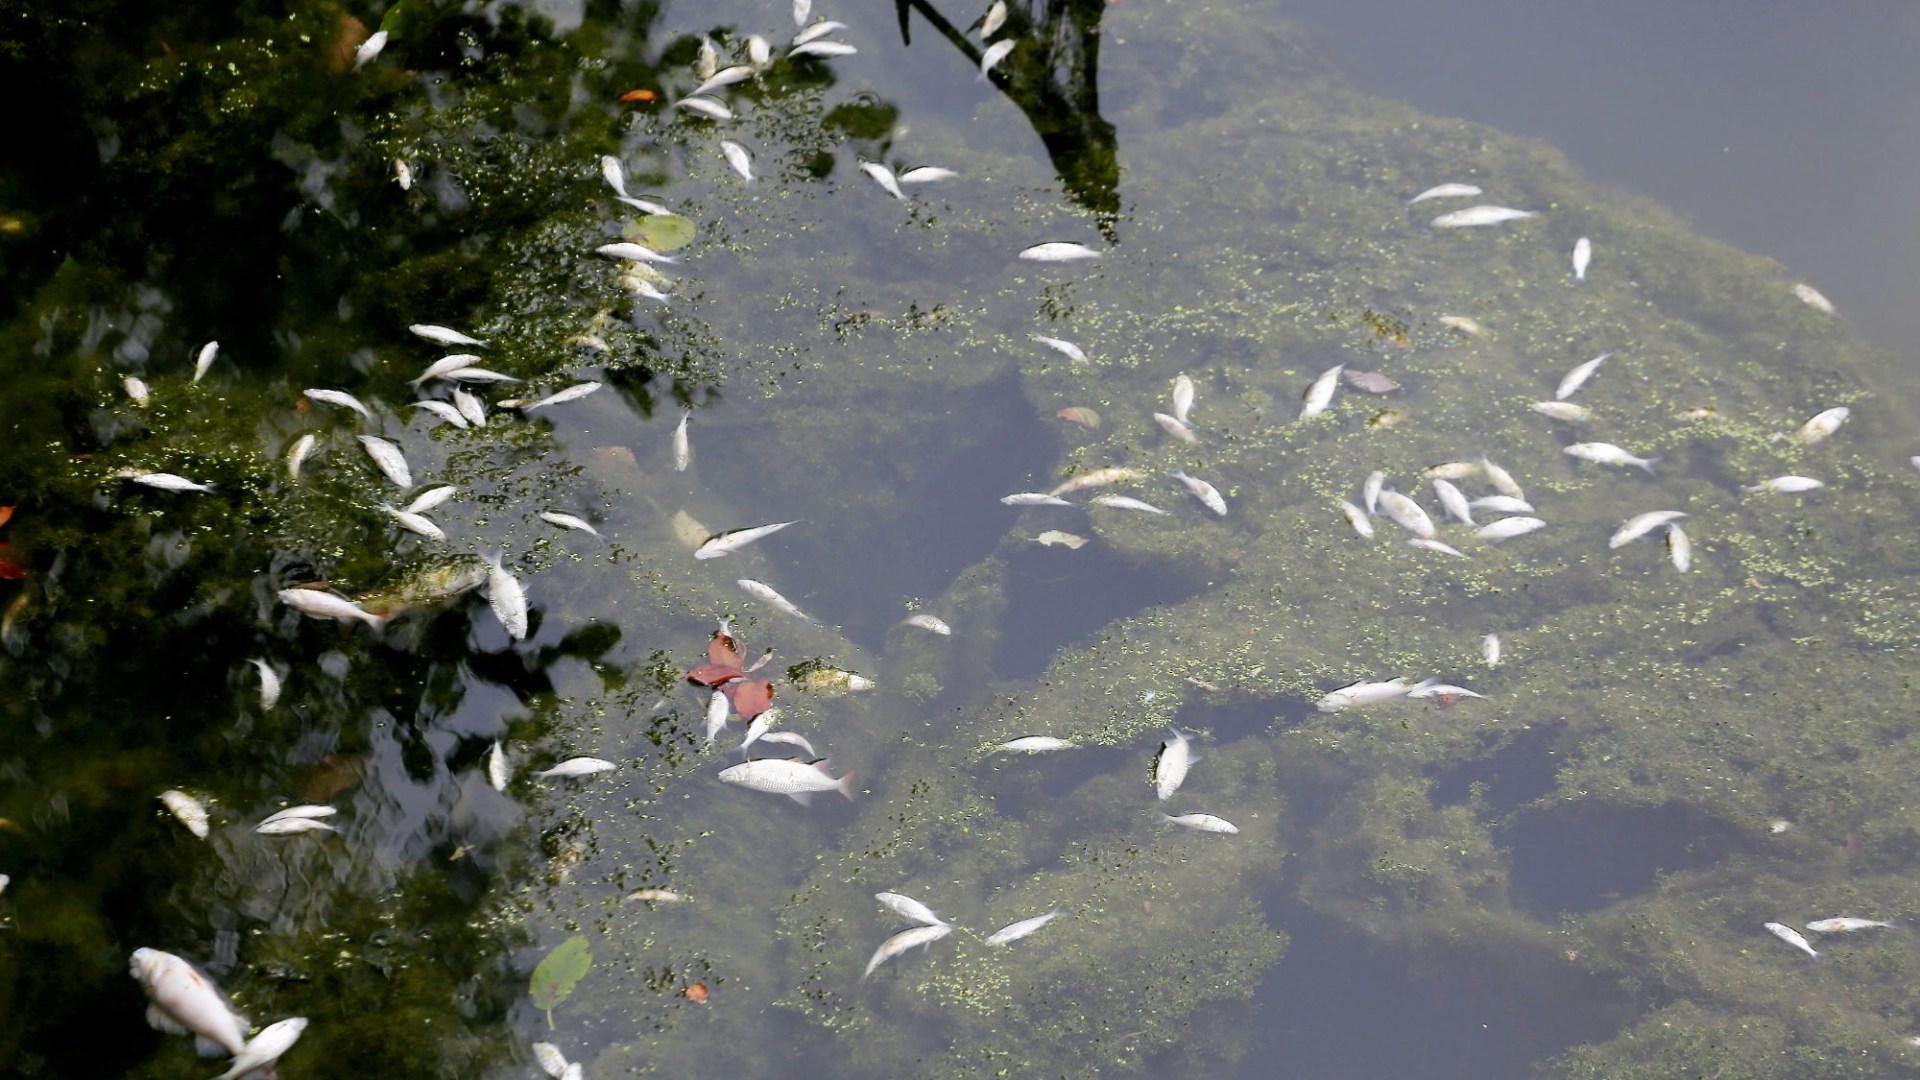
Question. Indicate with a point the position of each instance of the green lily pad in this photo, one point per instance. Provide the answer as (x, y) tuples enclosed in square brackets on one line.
[(556, 976), (661, 232)]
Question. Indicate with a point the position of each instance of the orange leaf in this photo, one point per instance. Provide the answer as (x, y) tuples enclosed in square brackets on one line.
[(696, 993), (750, 697), (6, 514), (11, 569)]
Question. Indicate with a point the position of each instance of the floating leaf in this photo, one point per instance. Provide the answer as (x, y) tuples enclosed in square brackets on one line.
[(556, 976), (661, 232), (750, 697)]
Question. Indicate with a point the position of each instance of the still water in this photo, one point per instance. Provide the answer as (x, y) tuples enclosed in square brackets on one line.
[(1565, 877)]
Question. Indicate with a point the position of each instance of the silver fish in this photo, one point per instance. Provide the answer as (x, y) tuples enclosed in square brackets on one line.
[(441, 335), (708, 60), (823, 48), (1502, 480), (726, 76), (188, 810), (796, 780), (364, 54), (1451, 470), (682, 446), (801, 9), (1320, 395), (575, 767), (737, 157), (1502, 504), (1508, 528), (203, 360), (884, 177), (1016, 931), (1490, 650), (1427, 544), (1406, 513), (499, 772), (991, 56), (758, 728), (1200, 823), (762, 591), (1578, 377), (561, 397), (326, 605), (297, 454), (166, 481), (550, 1059), (403, 174), (1370, 491), (1122, 502), (414, 523), (1432, 689), (1822, 426), (1453, 501), (996, 17), (633, 252), (1065, 348), (340, 398), (1479, 215), (1032, 498), (477, 374), (1582, 256), (389, 459), (1035, 744), (1208, 495), (908, 908), (790, 738), (1812, 298), (718, 709), (1361, 694), (470, 406), (818, 30), (1609, 454), (1791, 936), (1563, 410), (656, 896), (1786, 485), (182, 1001), (568, 521), (1446, 191), (1679, 549), (1183, 394), (137, 391), (927, 174), (1113, 474), (1641, 524), (292, 826), (507, 598), (703, 106), (1170, 768), (1058, 251), (431, 498), (269, 684), (444, 411), (1464, 325), (904, 940), (450, 362), (1844, 925), (612, 172), (1357, 518), (930, 623), (727, 543), (311, 811)]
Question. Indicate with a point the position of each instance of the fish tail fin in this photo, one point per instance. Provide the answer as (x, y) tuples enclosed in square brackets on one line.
[(1647, 464), (1163, 816), (804, 798), (845, 786)]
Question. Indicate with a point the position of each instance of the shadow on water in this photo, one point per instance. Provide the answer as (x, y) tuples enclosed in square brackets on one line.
[(1506, 778), (1586, 857), (1057, 599)]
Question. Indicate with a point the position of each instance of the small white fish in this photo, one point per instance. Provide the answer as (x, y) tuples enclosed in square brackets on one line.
[(276, 1039), (444, 411), (561, 397), (1786, 485), (1641, 524), (823, 48), (1170, 768), (737, 157), (1427, 544), (1791, 936), (412, 522), (991, 56), (203, 360), (1609, 454), (1361, 694), (1563, 410), (1508, 528), (1032, 498), (366, 51), (1016, 931), (656, 896), (403, 174), (790, 738), (726, 76), (1357, 518), (727, 543), (884, 177), (471, 407), (1320, 395), (568, 521), (614, 174), (1464, 325), (293, 826), (996, 17), (1052, 537), (633, 252), (757, 729), (930, 623), (801, 9), (1451, 470), (1035, 744), (1479, 215), (1065, 348), (908, 908), (1446, 191), (1812, 298), (1578, 377), (1502, 480), (340, 398), (1370, 491), (1502, 504), (760, 50), (449, 362), (478, 374), (708, 60), (1113, 474), (137, 391), (550, 1059), (1846, 925), (1208, 495), (573, 767), (1183, 395), (312, 811), (703, 106), (325, 605), (1822, 426), (441, 335), (762, 591), (1122, 502), (1444, 691), (389, 459), (1453, 501), (269, 684), (499, 772), (818, 30), (1582, 257), (642, 287), (1490, 650), (904, 940), (507, 598), (182, 1001), (1679, 549), (166, 481), (718, 709), (430, 498), (796, 780), (927, 174), (1406, 513), (297, 454), (1200, 823), (682, 447), (188, 810), (1058, 251)]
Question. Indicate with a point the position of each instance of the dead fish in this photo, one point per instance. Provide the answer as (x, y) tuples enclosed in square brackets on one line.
[(738, 157), (1208, 495), (1578, 377), (470, 406), (499, 772), (1096, 478), (137, 391), (325, 605), (904, 940), (1563, 410), (478, 374), (1679, 549), (561, 397), (908, 908), (182, 1001), (1032, 498), (762, 591), (929, 623), (790, 738), (1786, 485), (1502, 504), (703, 106), (718, 708), (310, 811), (1361, 694), (203, 360), (1479, 215), (1058, 538), (1065, 348), (1821, 426), (1058, 251), (801, 9), (633, 252), (1451, 470), (1183, 394), (818, 30), (1357, 518), (1844, 925), (403, 174), (884, 177), (449, 362), (166, 481), (1445, 693), (1464, 325), (1792, 937), (641, 287), (1406, 513), (1172, 426), (729, 542), (1370, 491), (1200, 823), (682, 447), (991, 56), (1170, 767), (823, 48), (293, 826), (441, 335), (1320, 395), (1446, 191), (996, 17), (269, 684), (1582, 256), (1508, 528), (568, 521), (1453, 501), (363, 55), (188, 810), (1812, 298), (579, 766), (1081, 415), (1426, 544), (798, 781), (708, 59), (1015, 931), (444, 411), (645, 206), (726, 76), (413, 523), (1490, 650), (1370, 381), (1035, 744), (612, 172), (927, 174), (1609, 454), (430, 498), (656, 896), (389, 459), (1641, 524), (1502, 481), (506, 597), (1122, 502)]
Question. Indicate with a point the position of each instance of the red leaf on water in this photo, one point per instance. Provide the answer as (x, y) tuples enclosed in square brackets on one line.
[(750, 697), (714, 674), (722, 650), (6, 514), (11, 569)]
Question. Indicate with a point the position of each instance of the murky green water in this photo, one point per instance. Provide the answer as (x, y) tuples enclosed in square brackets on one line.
[(1567, 877)]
